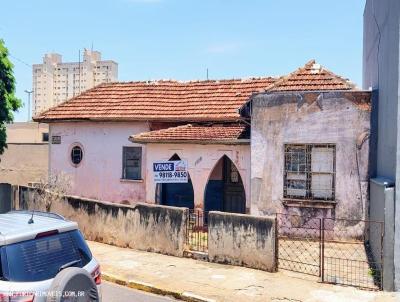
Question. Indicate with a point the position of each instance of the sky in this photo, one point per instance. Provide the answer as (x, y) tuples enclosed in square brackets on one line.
[(181, 39)]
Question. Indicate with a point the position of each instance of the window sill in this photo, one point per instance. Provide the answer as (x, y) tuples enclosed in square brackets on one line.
[(300, 203), (123, 180)]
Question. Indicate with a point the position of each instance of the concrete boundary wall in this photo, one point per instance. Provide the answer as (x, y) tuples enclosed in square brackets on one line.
[(240, 239), (143, 227), (382, 209)]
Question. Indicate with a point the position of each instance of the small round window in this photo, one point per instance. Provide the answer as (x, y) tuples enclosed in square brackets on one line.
[(76, 155)]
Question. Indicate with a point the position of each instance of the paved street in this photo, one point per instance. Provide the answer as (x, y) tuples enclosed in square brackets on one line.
[(219, 282), (116, 293)]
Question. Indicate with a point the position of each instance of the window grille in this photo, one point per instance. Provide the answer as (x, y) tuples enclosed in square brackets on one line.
[(132, 163), (309, 172)]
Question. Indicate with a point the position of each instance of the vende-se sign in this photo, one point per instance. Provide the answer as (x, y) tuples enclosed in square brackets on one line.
[(170, 171)]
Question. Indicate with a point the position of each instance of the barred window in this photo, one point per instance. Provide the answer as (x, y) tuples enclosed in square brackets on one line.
[(132, 163), (309, 172)]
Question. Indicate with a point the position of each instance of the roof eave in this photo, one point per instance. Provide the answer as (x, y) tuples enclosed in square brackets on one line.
[(139, 119), (315, 91), (190, 141)]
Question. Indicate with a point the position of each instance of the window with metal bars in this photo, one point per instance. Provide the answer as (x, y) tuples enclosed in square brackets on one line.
[(132, 163), (309, 172)]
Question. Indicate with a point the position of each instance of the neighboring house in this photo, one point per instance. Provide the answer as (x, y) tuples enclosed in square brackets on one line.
[(26, 158), (310, 146), (89, 139), (55, 81), (381, 74)]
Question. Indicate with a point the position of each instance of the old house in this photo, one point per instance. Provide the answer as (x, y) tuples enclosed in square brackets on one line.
[(195, 121), (306, 152), (310, 146)]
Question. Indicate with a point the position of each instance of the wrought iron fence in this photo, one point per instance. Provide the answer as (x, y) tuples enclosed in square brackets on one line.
[(336, 250), (347, 257), (197, 231), (299, 244)]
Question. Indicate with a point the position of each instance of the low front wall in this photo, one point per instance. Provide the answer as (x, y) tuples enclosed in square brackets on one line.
[(242, 240), (143, 227)]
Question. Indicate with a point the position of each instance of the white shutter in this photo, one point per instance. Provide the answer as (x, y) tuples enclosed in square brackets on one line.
[(322, 172)]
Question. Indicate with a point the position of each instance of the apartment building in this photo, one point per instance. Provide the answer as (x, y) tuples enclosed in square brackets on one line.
[(55, 82)]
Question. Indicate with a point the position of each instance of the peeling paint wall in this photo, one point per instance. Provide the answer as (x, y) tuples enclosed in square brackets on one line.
[(201, 161), (143, 227), (242, 240), (340, 118), (100, 172)]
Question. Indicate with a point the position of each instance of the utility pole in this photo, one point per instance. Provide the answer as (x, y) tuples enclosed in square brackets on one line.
[(29, 103)]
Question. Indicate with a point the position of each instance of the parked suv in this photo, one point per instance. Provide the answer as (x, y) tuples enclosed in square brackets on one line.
[(44, 256)]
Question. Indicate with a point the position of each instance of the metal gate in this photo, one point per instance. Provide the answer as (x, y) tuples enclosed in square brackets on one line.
[(197, 231), (337, 251)]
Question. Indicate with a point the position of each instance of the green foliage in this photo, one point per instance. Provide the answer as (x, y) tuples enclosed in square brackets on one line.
[(9, 103)]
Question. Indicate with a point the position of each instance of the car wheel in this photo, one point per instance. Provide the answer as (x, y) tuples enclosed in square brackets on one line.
[(73, 284)]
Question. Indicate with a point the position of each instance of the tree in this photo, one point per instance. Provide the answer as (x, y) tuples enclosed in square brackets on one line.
[(9, 103)]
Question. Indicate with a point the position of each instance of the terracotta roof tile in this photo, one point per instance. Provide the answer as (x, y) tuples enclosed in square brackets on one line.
[(194, 134), (194, 101), (160, 100), (311, 77)]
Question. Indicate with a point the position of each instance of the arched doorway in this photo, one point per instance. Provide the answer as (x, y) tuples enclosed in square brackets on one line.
[(175, 194), (224, 190)]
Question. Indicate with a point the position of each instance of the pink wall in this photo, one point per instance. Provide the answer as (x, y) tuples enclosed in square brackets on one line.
[(201, 161), (99, 174)]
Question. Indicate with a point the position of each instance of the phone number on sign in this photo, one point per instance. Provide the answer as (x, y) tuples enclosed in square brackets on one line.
[(172, 174)]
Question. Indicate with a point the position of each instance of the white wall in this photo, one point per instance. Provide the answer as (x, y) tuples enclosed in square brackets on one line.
[(99, 174), (201, 161)]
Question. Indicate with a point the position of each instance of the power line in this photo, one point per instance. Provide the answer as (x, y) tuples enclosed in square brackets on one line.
[(19, 60), (27, 64)]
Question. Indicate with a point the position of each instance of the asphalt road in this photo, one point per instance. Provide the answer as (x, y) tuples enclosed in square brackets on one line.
[(116, 293)]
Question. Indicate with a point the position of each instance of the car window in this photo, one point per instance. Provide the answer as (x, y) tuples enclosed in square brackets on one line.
[(41, 259)]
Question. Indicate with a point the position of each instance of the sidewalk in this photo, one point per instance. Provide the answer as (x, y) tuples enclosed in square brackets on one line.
[(194, 280)]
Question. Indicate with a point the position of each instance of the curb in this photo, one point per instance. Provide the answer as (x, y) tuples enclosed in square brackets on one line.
[(150, 288)]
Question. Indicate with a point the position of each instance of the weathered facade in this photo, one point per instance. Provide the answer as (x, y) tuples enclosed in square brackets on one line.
[(310, 146), (338, 122)]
